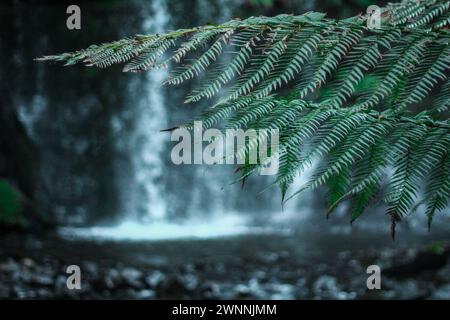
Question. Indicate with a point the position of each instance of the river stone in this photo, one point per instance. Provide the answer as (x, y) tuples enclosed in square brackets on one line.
[(210, 290), (442, 293), (28, 263), (112, 278), (326, 287), (4, 292), (9, 266), (172, 287), (145, 294), (132, 277), (410, 289), (90, 268), (155, 278), (190, 281)]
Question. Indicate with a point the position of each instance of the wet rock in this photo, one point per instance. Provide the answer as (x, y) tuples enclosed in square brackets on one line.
[(422, 260), (243, 291), (406, 290), (280, 291), (19, 292), (344, 255), (130, 293), (145, 294), (44, 293), (211, 290), (250, 290), (155, 278), (190, 281), (320, 269), (132, 277), (444, 273), (272, 257), (33, 242), (326, 287), (356, 266), (90, 269), (42, 280), (112, 278), (60, 283), (442, 293), (28, 263), (260, 275), (101, 285), (23, 276), (172, 287), (219, 268), (188, 268), (9, 266), (4, 291), (302, 290)]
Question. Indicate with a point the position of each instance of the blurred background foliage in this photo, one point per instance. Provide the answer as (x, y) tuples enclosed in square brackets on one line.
[(11, 205), (333, 8)]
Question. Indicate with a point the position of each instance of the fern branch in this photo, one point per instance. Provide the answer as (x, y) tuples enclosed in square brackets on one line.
[(341, 95)]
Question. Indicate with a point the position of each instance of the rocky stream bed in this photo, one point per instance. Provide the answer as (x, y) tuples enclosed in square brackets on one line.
[(246, 267)]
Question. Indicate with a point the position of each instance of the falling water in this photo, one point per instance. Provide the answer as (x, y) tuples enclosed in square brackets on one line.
[(145, 201), (202, 203), (146, 142)]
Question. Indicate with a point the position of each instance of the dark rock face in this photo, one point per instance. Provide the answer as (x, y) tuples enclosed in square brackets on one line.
[(19, 159), (16, 165)]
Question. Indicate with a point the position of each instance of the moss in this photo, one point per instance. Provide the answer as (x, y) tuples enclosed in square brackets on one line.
[(437, 248), (11, 205)]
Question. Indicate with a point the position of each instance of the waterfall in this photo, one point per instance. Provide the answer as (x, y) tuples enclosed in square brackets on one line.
[(146, 142), (162, 201), (146, 202)]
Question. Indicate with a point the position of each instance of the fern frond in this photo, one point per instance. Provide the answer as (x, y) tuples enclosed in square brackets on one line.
[(342, 96)]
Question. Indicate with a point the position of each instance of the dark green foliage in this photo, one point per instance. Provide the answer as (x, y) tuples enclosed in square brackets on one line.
[(11, 205), (341, 95)]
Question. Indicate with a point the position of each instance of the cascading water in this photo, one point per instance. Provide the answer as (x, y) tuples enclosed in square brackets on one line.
[(146, 143), (162, 201), (208, 210)]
